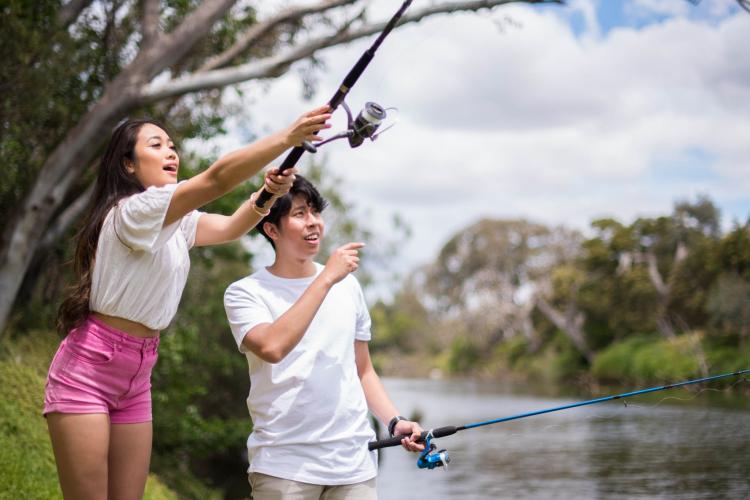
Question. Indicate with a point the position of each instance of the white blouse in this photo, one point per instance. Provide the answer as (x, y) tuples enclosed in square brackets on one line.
[(141, 266)]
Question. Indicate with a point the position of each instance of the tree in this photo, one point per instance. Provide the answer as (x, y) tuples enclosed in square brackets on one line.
[(91, 63), (493, 274), (668, 246), (728, 302)]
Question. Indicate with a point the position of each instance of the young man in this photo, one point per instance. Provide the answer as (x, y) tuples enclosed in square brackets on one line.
[(304, 328)]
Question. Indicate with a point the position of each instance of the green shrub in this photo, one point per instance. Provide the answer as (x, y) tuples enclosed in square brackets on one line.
[(27, 464), (666, 361), (723, 358), (648, 359), (463, 356), (512, 351), (616, 362), (558, 361)]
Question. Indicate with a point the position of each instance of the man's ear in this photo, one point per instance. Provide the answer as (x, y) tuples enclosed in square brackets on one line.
[(271, 230)]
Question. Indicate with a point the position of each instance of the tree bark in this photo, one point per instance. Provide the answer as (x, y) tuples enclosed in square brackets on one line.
[(260, 30), (571, 323), (70, 157), (664, 288), (70, 11)]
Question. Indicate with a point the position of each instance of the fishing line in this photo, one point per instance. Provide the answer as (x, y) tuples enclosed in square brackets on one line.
[(431, 458), (615, 416)]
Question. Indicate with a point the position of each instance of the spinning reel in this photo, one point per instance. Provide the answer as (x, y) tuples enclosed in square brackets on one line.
[(358, 129), (429, 458)]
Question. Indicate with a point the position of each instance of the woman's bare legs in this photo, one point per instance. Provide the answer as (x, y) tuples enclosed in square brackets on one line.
[(97, 460), (129, 458), (81, 445)]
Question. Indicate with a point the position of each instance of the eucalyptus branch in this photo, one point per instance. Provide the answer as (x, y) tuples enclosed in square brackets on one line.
[(149, 22), (171, 47), (276, 65), (69, 216), (70, 11), (260, 30)]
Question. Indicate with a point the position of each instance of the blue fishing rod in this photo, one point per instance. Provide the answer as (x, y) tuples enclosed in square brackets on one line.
[(430, 458)]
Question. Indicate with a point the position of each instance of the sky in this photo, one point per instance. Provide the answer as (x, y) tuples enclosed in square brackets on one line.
[(555, 114)]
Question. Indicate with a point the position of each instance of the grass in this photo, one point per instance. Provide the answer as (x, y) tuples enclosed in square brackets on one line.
[(27, 464)]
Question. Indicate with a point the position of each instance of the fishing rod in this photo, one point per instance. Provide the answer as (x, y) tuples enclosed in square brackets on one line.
[(367, 121), (430, 458)]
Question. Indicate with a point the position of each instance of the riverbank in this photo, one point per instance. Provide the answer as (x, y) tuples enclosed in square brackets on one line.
[(640, 361)]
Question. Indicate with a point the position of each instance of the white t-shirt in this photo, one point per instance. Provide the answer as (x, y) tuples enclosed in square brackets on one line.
[(309, 410), (141, 267)]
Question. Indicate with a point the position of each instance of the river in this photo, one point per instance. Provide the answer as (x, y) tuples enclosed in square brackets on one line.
[(651, 448)]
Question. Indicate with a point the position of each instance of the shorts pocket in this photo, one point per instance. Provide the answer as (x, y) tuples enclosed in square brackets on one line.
[(90, 349)]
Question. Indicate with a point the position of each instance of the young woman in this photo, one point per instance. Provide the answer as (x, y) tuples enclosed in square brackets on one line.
[(132, 264)]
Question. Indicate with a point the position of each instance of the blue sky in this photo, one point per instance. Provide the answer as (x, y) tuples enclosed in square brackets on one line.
[(556, 114), (629, 14)]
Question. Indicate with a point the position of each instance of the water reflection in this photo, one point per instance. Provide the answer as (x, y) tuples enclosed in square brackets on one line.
[(644, 450)]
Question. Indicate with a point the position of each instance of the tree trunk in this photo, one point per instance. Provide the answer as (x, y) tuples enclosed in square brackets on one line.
[(571, 323), (61, 169), (664, 288)]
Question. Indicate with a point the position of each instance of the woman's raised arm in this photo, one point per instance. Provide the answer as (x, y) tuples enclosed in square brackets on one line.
[(236, 167)]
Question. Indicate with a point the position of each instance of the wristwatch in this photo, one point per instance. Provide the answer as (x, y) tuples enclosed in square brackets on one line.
[(393, 422)]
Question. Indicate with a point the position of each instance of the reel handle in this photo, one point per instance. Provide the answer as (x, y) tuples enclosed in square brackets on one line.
[(396, 440)]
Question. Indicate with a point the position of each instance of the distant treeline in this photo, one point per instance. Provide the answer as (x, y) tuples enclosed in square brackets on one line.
[(660, 298)]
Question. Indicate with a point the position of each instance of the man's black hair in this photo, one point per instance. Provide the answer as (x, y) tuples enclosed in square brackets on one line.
[(301, 187)]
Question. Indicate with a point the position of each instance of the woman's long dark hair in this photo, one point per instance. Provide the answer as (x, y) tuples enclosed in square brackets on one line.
[(113, 183)]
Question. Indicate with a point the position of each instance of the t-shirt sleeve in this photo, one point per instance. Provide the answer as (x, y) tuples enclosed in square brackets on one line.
[(139, 219), (189, 226), (364, 323), (245, 311)]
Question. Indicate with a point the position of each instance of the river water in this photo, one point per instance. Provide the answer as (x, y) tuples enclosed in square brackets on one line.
[(652, 448)]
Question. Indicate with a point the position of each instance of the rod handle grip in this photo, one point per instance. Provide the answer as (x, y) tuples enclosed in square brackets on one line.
[(290, 161), (396, 440)]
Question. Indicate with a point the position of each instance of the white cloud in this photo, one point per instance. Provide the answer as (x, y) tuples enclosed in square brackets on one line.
[(537, 122)]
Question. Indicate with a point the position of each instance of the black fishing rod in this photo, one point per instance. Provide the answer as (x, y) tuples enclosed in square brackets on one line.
[(367, 121), (429, 459)]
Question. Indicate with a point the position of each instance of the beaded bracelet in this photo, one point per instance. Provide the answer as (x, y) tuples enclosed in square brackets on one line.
[(262, 213)]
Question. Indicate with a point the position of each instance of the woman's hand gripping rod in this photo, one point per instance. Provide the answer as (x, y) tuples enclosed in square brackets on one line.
[(349, 81)]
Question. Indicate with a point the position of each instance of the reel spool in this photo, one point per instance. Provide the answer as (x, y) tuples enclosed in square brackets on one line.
[(358, 129), (366, 124), (429, 458)]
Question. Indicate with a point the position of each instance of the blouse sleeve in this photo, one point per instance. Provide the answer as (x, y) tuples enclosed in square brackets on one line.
[(189, 227), (139, 219)]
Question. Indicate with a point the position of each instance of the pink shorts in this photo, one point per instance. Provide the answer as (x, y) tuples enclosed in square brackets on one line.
[(99, 369)]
